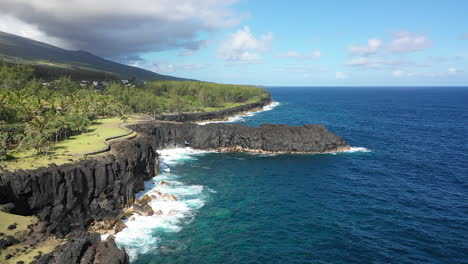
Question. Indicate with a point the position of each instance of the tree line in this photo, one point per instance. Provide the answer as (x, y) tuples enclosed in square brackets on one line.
[(34, 115)]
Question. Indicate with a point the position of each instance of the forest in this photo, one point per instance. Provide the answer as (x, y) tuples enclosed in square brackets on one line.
[(35, 114)]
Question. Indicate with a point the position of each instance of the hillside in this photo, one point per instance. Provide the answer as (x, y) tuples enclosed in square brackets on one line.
[(55, 61)]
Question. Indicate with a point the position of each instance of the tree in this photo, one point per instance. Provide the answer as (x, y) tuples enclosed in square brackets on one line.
[(3, 146)]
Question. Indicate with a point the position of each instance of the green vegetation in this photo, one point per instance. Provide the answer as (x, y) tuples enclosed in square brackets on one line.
[(79, 65), (71, 149), (190, 96), (22, 223), (23, 251), (58, 122)]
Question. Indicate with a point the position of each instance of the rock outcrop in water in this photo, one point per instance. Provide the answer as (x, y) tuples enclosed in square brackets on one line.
[(223, 137), (70, 197), (222, 114)]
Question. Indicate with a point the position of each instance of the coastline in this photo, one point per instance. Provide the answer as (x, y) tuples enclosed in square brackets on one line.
[(112, 183)]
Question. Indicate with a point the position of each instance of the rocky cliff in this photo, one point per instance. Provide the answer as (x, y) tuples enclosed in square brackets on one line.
[(69, 197), (84, 248), (224, 137), (222, 114)]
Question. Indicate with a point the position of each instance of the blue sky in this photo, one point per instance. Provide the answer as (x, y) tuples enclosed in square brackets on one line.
[(300, 43), (311, 44)]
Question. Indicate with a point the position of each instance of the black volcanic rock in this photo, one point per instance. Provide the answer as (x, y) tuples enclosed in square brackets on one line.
[(86, 248), (73, 195), (68, 198), (194, 117), (267, 137)]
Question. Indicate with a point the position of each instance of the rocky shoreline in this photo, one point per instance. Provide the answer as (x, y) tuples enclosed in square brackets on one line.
[(94, 194)]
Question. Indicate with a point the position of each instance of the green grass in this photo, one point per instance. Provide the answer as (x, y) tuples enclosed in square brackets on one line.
[(22, 223), (23, 251), (69, 150), (230, 105), (43, 247)]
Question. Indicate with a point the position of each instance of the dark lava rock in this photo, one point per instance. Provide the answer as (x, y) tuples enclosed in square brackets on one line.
[(11, 227), (8, 241), (194, 117), (7, 208), (9, 256), (86, 248), (267, 137), (71, 196)]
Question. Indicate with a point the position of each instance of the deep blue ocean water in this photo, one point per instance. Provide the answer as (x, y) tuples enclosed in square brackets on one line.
[(406, 201)]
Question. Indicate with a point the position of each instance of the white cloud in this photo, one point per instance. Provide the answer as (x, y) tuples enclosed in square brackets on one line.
[(402, 73), (171, 68), (453, 70), (13, 25), (243, 47), (373, 45), (341, 75), (381, 62), (296, 55), (132, 27), (405, 41)]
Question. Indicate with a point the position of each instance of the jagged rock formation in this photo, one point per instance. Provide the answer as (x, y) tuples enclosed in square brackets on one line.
[(223, 137), (222, 114), (86, 248), (69, 197), (73, 195)]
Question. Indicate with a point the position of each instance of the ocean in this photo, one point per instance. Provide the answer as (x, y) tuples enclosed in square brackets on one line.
[(401, 195)]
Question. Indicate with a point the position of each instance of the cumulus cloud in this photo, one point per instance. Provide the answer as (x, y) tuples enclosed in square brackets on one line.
[(373, 45), (116, 28), (405, 41), (341, 75), (13, 25), (243, 47), (297, 55)]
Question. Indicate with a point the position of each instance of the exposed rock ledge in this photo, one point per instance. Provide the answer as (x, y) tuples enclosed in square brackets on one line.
[(267, 138), (70, 197), (218, 115)]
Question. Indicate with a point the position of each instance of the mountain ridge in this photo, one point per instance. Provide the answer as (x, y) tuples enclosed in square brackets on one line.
[(48, 58)]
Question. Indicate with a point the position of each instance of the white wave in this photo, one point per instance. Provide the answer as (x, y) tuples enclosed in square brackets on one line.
[(241, 117), (141, 234), (357, 149)]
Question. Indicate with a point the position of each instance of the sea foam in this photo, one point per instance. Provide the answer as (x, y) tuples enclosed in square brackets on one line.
[(357, 149), (240, 117), (141, 234)]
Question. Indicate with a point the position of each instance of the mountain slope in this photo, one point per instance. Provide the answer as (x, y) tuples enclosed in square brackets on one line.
[(16, 49)]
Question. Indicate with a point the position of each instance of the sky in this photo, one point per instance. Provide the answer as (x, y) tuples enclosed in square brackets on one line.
[(271, 43)]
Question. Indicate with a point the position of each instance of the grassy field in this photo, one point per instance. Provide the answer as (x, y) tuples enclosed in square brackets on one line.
[(29, 253), (22, 223), (71, 149), (23, 251), (74, 148)]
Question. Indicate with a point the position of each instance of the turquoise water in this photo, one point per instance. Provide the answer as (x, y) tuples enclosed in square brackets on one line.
[(405, 201)]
